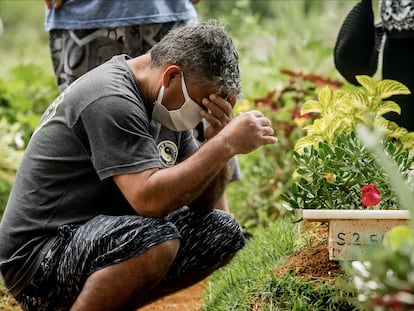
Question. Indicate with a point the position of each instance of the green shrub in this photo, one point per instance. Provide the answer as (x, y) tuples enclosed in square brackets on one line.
[(25, 95), (332, 164)]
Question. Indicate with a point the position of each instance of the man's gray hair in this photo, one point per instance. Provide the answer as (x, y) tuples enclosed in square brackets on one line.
[(205, 53)]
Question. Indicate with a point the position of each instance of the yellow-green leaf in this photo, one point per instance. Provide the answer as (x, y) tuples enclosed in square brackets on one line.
[(360, 102), (306, 142), (408, 140), (318, 126), (388, 106), (367, 82), (398, 132), (387, 88), (311, 106), (325, 96)]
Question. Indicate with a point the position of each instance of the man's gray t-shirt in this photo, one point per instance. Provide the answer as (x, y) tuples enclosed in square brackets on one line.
[(97, 128)]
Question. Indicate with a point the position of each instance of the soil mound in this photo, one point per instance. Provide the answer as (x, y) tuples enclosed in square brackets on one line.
[(312, 261)]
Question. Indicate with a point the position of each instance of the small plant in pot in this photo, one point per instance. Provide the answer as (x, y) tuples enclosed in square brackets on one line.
[(334, 169)]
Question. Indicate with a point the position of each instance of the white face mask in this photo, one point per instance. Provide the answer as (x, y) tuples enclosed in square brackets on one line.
[(185, 118)]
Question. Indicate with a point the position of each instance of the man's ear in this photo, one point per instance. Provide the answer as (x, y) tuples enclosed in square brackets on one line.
[(170, 73)]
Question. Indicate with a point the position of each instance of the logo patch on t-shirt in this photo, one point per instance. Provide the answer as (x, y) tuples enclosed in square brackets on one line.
[(168, 152)]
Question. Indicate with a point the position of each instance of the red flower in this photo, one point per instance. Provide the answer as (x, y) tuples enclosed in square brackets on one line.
[(370, 195)]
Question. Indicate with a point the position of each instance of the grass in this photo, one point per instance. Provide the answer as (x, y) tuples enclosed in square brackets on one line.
[(231, 287)]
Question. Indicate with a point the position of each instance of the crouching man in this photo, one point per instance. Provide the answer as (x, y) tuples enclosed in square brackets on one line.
[(113, 204)]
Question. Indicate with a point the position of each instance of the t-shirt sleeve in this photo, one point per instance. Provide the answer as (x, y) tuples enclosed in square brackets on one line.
[(118, 135)]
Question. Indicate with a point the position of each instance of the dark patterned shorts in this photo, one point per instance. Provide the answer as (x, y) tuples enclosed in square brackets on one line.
[(74, 52), (80, 250)]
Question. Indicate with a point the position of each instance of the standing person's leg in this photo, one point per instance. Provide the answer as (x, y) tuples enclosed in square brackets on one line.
[(398, 64), (75, 52), (139, 39)]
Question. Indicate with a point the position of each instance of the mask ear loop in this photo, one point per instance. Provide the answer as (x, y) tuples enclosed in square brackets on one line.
[(184, 88), (160, 95)]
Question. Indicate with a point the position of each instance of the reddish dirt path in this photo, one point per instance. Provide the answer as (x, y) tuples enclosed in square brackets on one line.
[(188, 299)]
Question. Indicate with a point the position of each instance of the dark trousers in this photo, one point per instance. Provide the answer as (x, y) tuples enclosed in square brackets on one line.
[(398, 64)]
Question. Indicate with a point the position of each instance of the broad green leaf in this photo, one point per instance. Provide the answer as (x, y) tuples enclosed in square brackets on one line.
[(294, 189)]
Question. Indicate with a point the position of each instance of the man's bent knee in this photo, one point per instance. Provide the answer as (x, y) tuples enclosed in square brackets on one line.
[(159, 258)]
